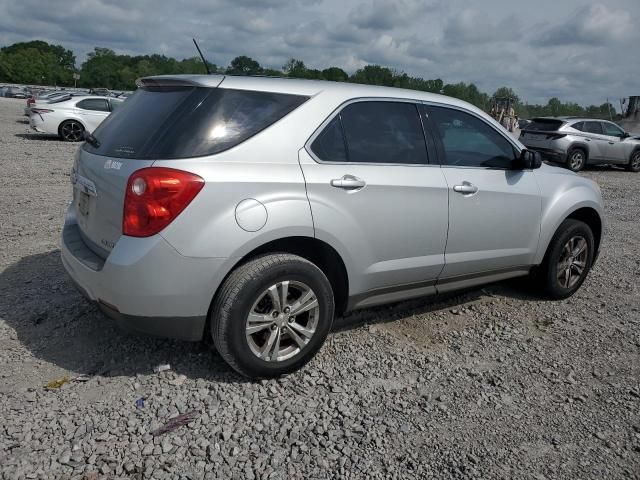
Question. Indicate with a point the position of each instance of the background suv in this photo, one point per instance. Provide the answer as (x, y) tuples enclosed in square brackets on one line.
[(577, 142), (255, 209)]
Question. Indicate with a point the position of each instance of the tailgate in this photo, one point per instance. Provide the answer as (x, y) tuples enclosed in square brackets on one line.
[(99, 185)]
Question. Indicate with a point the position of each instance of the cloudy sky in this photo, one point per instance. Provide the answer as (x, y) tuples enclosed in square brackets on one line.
[(575, 49)]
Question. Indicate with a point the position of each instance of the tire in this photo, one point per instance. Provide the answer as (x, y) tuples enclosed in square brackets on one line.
[(634, 162), (71, 131), (552, 276), (247, 290), (576, 159)]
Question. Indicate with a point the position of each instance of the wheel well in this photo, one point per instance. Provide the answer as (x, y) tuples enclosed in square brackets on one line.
[(579, 146), (591, 218), (318, 252)]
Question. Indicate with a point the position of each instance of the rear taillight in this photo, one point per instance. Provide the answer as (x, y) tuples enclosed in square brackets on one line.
[(155, 196), (41, 110), (31, 101)]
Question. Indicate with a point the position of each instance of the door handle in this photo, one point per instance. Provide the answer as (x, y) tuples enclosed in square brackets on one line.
[(612, 143), (348, 182), (466, 188)]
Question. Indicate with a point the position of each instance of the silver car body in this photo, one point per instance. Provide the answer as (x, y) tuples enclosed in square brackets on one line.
[(603, 141), (406, 233)]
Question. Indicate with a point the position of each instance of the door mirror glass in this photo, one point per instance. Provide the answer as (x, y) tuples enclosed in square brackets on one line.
[(528, 160)]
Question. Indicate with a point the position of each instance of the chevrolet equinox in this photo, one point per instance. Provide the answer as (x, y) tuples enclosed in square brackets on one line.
[(254, 210)]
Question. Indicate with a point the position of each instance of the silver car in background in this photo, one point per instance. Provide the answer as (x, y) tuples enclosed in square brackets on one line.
[(254, 210), (577, 142)]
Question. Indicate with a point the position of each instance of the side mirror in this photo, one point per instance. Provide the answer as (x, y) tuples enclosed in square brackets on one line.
[(626, 135), (528, 160)]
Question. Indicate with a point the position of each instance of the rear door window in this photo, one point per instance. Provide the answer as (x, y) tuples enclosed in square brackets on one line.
[(181, 122), (592, 127), (329, 146), (374, 132), (95, 104)]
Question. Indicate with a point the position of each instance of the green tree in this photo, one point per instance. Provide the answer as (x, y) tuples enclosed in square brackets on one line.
[(335, 74), (244, 65), (373, 75)]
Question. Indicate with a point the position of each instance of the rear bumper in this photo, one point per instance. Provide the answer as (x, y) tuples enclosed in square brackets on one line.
[(145, 285)]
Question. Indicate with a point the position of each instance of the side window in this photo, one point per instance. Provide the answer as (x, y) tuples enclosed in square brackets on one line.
[(95, 104), (329, 145), (384, 132), (612, 130), (578, 126), (468, 141), (592, 127)]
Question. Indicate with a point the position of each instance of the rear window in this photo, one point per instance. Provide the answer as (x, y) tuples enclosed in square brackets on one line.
[(544, 124), (181, 122)]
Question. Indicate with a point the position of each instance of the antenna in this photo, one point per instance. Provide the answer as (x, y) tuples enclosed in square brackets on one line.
[(206, 66)]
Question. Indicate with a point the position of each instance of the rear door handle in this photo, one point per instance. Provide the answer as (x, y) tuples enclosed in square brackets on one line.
[(348, 182), (466, 188)]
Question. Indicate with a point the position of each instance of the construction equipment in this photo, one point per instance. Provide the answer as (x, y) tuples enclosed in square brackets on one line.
[(503, 110), (630, 109)]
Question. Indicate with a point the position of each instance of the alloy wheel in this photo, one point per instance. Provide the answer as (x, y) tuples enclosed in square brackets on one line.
[(572, 262), (282, 321), (577, 160), (72, 131), (635, 161)]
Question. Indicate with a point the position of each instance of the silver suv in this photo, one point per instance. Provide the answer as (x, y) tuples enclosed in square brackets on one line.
[(577, 142), (253, 210)]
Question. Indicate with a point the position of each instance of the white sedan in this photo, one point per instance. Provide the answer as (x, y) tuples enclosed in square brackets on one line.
[(70, 117)]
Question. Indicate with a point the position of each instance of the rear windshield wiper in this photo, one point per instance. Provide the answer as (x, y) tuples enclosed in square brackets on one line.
[(91, 140)]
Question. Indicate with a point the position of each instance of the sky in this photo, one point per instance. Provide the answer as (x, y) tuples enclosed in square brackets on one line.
[(576, 50)]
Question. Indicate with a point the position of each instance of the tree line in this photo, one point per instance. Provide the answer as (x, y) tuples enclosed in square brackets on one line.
[(40, 63)]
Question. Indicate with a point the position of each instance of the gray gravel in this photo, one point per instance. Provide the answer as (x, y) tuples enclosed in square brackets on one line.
[(493, 383)]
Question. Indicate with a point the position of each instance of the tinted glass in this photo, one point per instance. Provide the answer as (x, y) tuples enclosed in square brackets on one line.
[(612, 130), (468, 141), (592, 127), (180, 122), (578, 126), (544, 124), (384, 132), (329, 145), (96, 104)]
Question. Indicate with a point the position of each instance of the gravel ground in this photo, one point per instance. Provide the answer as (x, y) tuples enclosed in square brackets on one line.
[(492, 383)]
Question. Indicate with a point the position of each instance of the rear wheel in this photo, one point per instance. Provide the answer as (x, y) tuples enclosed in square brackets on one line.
[(576, 159), (272, 315), (634, 162), (71, 131), (568, 259)]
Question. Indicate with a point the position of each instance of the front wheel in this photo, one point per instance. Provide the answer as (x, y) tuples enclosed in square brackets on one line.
[(272, 315), (568, 259), (634, 162)]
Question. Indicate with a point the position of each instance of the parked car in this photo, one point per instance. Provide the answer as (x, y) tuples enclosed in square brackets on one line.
[(577, 142), (14, 92), (254, 210), (71, 116)]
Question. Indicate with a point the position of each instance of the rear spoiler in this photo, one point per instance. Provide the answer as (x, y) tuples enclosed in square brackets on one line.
[(210, 81)]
